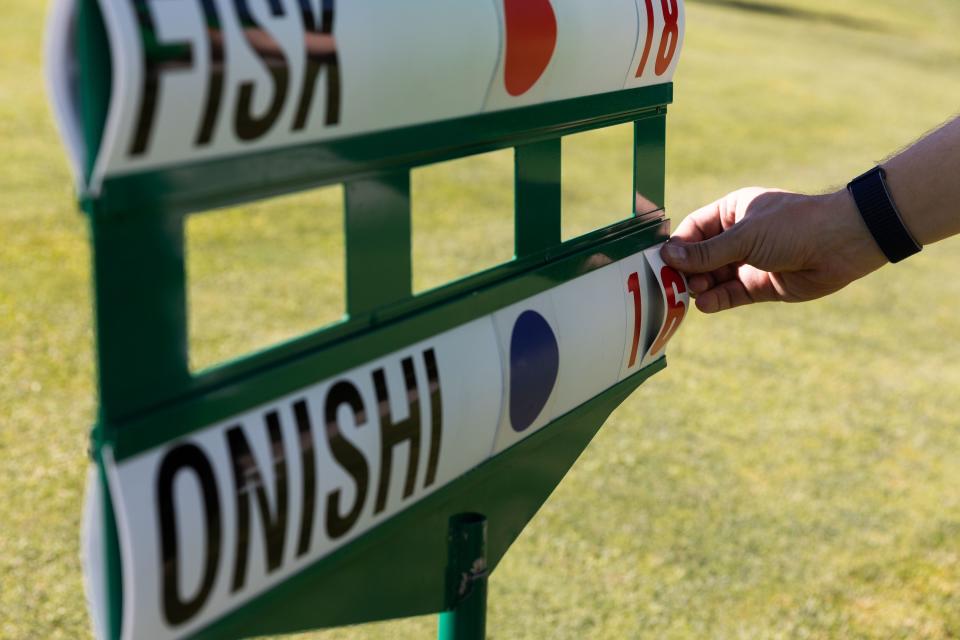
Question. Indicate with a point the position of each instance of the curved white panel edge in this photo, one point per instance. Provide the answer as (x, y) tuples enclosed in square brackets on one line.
[(92, 554), (303, 475), (267, 80), (61, 81)]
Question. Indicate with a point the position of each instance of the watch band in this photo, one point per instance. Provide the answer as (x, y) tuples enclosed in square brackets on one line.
[(869, 191)]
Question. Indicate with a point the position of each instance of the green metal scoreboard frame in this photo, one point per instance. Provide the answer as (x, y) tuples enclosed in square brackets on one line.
[(379, 467)]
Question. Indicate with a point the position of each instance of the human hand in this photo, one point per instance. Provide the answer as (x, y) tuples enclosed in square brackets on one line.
[(756, 245)]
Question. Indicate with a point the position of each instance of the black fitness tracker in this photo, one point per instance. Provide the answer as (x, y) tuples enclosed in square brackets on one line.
[(879, 212)]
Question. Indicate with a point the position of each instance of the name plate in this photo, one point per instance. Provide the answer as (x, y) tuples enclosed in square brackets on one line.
[(194, 80)]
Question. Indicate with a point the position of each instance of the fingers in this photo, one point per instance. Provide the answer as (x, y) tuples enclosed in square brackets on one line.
[(703, 223), (707, 255), (746, 285), (715, 245), (700, 282), (706, 240), (725, 295)]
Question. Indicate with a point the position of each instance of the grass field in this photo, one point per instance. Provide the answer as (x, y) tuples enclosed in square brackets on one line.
[(794, 472)]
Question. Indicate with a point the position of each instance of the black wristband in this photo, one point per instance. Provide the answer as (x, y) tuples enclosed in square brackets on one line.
[(870, 192)]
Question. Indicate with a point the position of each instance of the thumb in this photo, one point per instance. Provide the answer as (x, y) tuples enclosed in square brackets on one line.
[(700, 257)]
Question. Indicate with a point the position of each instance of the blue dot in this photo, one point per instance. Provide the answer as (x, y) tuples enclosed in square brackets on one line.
[(534, 364)]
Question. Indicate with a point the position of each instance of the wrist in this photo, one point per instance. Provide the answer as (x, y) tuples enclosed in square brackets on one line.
[(847, 236)]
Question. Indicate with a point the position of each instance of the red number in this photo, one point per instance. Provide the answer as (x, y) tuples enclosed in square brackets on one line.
[(669, 37), (633, 286), (648, 41), (675, 308)]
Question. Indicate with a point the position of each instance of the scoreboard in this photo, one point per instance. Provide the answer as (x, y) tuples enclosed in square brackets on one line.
[(310, 485)]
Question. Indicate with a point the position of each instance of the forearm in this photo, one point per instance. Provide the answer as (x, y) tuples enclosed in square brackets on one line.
[(924, 181)]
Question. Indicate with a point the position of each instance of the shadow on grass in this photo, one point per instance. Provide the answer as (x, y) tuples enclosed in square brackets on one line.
[(797, 13)]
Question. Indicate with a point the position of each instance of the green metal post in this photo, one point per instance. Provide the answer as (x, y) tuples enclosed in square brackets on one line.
[(378, 237), (537, 197), (466, 616), (649, 162)]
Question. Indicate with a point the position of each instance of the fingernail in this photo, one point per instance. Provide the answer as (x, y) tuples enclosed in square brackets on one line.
[(675, 251)]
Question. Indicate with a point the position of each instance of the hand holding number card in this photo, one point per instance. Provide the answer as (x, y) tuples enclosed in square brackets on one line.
[(656, 302), (675, 300)]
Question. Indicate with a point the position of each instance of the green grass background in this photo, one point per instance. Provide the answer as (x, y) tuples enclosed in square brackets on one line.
[(793, 474)]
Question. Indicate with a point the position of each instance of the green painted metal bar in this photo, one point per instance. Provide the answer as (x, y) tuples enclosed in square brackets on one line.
[(258, 378), (649, 162), (216, 183), (446, 297), (537, 197), (141, 313), (466, 619), (378, 241)]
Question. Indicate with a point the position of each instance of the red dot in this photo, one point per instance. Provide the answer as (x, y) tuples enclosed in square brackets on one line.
[(531, 40)]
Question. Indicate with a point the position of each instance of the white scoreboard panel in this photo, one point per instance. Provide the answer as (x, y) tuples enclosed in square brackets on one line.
[(203, 79), (212, 520)]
